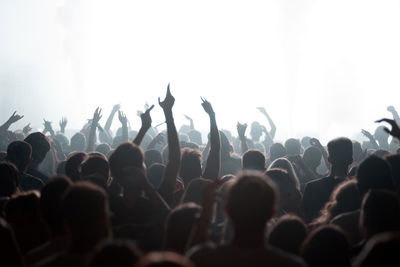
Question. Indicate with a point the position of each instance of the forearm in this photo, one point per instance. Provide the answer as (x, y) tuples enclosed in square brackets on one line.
[(125, 137), (92, 136), (214, 159), (109, 121), (243, 144), (273, 126), (139, 137)]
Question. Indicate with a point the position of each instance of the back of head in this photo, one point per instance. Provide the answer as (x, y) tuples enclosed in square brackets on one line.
[(164, 259), (155, 174), (394, 161), (340, 151), (78, 142), (152, 156), (40, 146), (20, 154), (85, 211), (195, 137), (374, 173), (293, 147), (277, 150), (8, 179), (326, 246), (285, 164), (312, 157), (72, 166), (194, 191), (380, 212), (95, 165), (115, 253), (253, 160), (125, 155), (252, 201), (50, 202), (282, 179), (288, 234), (305, 142), (190, 164), (180, 223), (103, 148)]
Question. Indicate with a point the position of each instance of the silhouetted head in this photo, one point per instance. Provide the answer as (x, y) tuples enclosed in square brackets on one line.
[(95, 165), (164, 259), (183, 137), (195, 137), (114, 253), (85, 212), (252, 201), (276, 151), (8, 179), (73, 165), (381, 135), (288, 234), (179, 226), (155, 174), (293, 147), (253, 160), (50, 202), (305, 142), (124, 156), (312, 157), (380, 153), (380, 212), (283, 163), (78, 142), (190, 165), (326, 246), (152, 156), (374, 173), (104, 149), (357, 151), (394, 161), (340, 152), (20, 154), (40, 146), (194, 191)]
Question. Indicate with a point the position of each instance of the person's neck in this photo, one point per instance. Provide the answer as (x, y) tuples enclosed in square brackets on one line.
[(249, 239), (340, 171)]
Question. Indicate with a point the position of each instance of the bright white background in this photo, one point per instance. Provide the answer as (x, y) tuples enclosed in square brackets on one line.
[(323, 68)]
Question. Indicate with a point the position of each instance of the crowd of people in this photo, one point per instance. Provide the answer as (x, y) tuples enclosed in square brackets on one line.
[(150, 198)]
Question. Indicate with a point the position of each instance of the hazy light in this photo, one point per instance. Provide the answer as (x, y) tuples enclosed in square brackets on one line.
[(298, 59)]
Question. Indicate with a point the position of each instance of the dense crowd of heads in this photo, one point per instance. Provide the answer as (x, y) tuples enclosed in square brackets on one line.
[(166, 198)]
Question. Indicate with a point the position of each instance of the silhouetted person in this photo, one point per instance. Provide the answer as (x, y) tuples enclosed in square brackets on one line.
[(40, 147), (317, 192), (20, 154), (253, 160), (117, 253), (72, 166)]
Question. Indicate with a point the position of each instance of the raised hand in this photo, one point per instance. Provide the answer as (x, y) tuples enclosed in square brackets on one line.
[(262, 110), (395, 131), (367, 134), (122, 118), (47, 125), (391, 109), (168, 102), (187, 117), (63, 124), (241, 129), (116, 108), (96, 116), (146, 118), (207, 107), (14, 118), (27, 129)]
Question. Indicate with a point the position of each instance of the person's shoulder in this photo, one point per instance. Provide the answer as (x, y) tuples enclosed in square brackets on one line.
[(30, 182), (346, 217), (318, 182)]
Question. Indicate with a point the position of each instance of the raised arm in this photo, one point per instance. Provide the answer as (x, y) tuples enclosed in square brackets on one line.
[(48, 128), (110, 118), (271, 123), (124, 121), (241, 129), (158, 139), (174, 156), (395, 131), (370, 138), (395, 115), (13, 119), (315, 143), (190, 121), (63, 124), (146, 124), (214, 157), (92, 134)]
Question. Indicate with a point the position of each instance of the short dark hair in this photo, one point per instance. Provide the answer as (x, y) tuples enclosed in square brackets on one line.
[(20, 154), (253, 159), (340, 151), (40, 146), (125, 155)]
